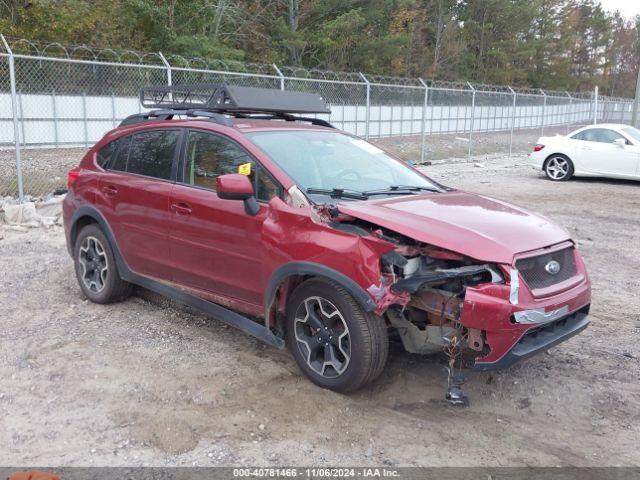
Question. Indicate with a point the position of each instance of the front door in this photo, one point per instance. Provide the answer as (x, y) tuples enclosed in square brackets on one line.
[(598, 153), (215, 245)]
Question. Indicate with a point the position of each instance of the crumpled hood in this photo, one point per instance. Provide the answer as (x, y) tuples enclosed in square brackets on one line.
[(476, 226)]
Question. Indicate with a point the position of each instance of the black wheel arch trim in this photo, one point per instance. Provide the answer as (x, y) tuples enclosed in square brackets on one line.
[(213, 309), (317, 270)]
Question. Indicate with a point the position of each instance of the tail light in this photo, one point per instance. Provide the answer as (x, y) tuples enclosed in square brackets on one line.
[(538, 147), (72, 176)]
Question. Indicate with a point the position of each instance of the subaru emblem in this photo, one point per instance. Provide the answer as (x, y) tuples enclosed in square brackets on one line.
[(552, 268)]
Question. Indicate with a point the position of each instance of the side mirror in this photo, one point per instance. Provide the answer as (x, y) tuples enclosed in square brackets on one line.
[(234, 186), (620, 142)]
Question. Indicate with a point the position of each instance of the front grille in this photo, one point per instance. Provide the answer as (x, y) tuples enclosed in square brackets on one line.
[(534, 272)]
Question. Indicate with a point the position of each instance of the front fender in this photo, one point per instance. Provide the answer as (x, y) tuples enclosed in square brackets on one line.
[(317, 270)]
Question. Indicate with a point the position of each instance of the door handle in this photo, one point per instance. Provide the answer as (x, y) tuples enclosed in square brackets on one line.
[(110, 190), (181, 208)]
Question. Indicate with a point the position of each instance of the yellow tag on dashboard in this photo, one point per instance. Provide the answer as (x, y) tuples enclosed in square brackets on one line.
[(244, 169)]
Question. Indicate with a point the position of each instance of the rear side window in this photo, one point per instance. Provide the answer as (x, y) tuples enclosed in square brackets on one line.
[(106, 153), (151, 153)]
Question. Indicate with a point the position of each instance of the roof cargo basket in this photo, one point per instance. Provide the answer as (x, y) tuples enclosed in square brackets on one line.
[(224, 98)]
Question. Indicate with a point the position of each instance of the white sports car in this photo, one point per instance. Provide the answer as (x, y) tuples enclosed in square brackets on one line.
[(602, 150)]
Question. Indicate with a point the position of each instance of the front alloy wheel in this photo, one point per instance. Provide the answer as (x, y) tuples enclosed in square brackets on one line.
[(322, 337), (336, 343)]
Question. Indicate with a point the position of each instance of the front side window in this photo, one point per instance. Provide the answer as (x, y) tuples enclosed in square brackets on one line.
[(322, 160), (209, 156), (602, 135)]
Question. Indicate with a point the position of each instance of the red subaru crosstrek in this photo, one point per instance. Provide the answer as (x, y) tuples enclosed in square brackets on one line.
[(305, 236)]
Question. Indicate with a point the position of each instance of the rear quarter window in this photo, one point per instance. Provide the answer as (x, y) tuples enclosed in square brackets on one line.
[(106, 153), (578, 136), (119, 161)]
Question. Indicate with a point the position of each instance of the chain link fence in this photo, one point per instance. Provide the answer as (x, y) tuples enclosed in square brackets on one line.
[(65, 98)]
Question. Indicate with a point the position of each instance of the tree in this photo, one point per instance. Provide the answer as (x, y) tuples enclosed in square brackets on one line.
[(551, 44)]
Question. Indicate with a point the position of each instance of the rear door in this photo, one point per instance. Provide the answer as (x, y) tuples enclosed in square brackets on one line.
[(215, 246), (134, 198)]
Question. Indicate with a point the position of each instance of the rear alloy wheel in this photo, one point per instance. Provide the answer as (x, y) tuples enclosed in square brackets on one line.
[(335, 342), (93, 264), (558, 168), (96, 267)]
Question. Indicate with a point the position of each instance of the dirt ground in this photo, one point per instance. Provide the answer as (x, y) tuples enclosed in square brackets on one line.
[(146, 382)]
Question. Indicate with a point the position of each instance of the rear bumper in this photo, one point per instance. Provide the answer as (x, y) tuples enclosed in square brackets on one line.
[(539, 338), (536, 159)]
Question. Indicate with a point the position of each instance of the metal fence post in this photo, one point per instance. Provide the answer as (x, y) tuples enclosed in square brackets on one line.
[(634, 112), (595, 105), (113, 109), (21, 120), (473, 116), (544, 108), (55, 118), (367, 116), (84, 116), (570, 114), (168, 67), (513, 120), (424, 116), (275, 67), (14, 111)]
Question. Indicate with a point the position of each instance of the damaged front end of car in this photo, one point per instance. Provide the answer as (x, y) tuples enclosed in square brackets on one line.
[(477, 289), (477, 312)]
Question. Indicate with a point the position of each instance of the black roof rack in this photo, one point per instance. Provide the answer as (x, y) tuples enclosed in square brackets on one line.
[(215, 100), (231, 98)]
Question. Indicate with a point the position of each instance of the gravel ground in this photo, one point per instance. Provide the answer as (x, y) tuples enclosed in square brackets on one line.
[(456, 146), (147, 382)]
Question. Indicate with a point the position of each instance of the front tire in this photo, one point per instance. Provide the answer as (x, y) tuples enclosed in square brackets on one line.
[(558, 168), (96, 268), (336, 344)]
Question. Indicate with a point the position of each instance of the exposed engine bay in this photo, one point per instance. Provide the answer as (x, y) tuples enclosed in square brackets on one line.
[(422, 291), (421, 294)]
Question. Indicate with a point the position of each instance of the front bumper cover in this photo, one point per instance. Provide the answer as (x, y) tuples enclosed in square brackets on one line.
[(538, 339)]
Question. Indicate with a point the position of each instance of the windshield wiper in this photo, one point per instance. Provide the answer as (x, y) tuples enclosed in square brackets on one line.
[(400, 190), (338, 193)]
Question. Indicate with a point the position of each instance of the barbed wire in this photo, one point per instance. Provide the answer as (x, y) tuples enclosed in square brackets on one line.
[(56, 50)]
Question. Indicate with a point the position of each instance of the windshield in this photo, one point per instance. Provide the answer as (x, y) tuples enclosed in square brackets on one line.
[(633, 133), (331, 164)]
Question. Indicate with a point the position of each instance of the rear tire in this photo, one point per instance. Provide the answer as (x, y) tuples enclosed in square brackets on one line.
[(336, 344), (558, 168), (96, 268)]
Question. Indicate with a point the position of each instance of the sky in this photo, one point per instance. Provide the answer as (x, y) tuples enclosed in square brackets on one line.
[(628, 8)]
